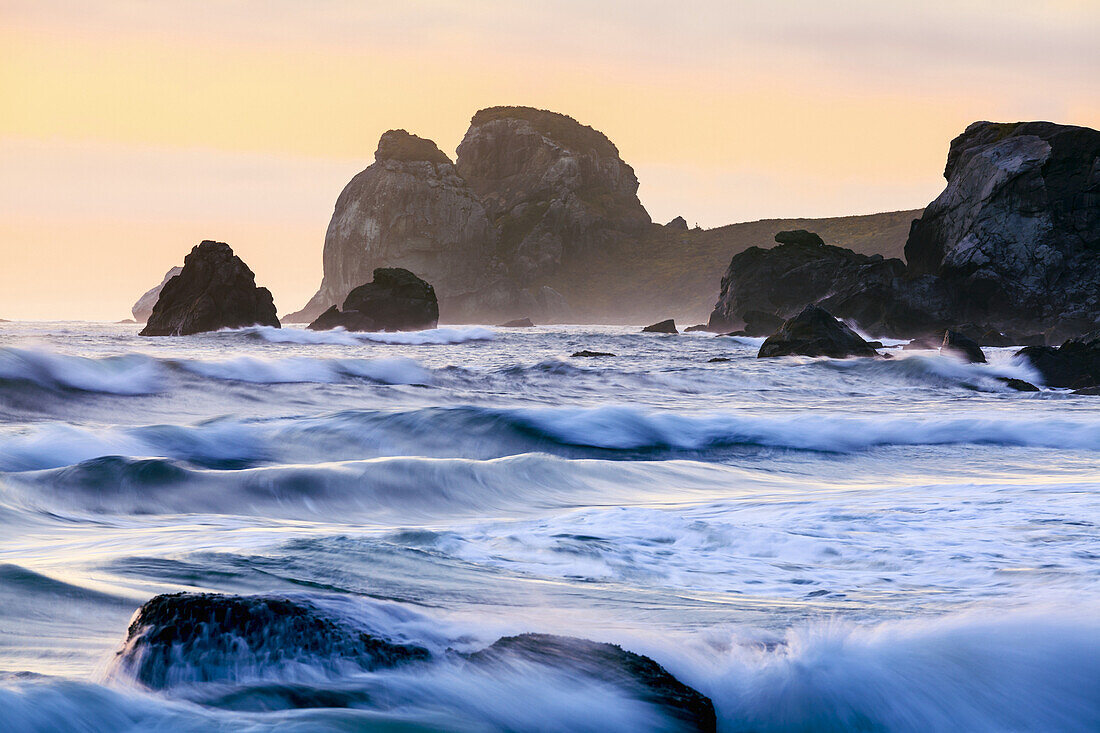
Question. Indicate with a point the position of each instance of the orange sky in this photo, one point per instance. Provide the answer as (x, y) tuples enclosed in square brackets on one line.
[(130, 130)]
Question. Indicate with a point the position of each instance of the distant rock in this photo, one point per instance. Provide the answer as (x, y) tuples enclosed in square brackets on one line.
[(764, 287), (183, 638), (814, 332), (604, 664), (518, 323), (1087, 391), (395, 300), (1015, 236), (143, 308), (587, 353), (678, 224), (666, 326), (696, 328), (956, 343), (1074, 364), (409, 209), (214, 290), (716, 359), (126, 321)]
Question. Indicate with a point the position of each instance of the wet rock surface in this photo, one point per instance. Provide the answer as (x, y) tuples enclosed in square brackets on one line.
[(814, 332), (395, 300)]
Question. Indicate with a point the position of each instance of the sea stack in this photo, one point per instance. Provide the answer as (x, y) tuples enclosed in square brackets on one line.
[(395, 300), (214, 290), (143, 308)]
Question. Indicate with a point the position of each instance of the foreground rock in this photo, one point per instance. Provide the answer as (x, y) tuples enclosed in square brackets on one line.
[(666, 326), (395, 300), (214, 290), (143, 308), (814, 332), (184, 638), (960, 345), (637, 675), (1074, 364)]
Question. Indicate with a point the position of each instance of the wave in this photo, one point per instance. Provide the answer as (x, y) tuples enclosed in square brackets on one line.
[(941, 369), (1024, 670), (485, 432), (131, 374), (392, 370), (432, 336)]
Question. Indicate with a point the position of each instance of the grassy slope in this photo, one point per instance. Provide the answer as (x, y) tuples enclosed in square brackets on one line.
[(678, 274)]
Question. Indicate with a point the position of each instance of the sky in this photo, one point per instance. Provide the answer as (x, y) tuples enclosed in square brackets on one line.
[(130, 130)]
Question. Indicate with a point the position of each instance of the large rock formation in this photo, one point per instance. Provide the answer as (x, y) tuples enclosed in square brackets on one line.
[(1075, 364), (143, 308), (814, 332), (409, 209), (395, 300), (554, 188), (1011, 248), (762, 286), (1015, 236), (214, 290)]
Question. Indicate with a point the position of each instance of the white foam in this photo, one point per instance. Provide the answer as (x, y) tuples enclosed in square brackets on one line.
[(132, 374), (338, 336), (391, 370)]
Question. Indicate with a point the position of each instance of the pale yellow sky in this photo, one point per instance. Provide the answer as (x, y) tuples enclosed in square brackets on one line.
[(132, 129)]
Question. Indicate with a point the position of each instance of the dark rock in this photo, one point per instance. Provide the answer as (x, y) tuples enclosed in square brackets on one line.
[(214, 290), (764, 287), (923, 343), (518, 323), (1074, 364), (667, 326), (717, 359), (679, 224), (696, 328), (875, 344), (126, 320), (735, 333), (396, 300), (1087, 391), (814, 332), (587, 353), (800, 236), (956, 343), (1015, 236), (143, 308), (1018, 384), (637, 675), (184, 638)]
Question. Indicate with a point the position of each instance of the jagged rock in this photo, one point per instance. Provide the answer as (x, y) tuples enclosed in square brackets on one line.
[(678, 224), (814, 332), (1018, 384), (764, 287), (956, 343), (1074, 364), (143, 308), (214, 290), (666, 326), (587, 353), (1015, 236), (183, 638), (608, 664), (409, 209), (395, 300), (518, 323)]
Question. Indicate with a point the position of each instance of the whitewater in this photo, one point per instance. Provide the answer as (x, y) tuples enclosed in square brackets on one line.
[(896, 544)]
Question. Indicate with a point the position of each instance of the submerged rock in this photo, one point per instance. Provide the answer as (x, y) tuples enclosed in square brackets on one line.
[(696, 328), (814, 332), (1074, 364), (395, 300), (666, 326), (213, 290), (1018, 384), (956, 343), (587, 353), (143, 308), (183, 638), (518, 323), (635, 674)]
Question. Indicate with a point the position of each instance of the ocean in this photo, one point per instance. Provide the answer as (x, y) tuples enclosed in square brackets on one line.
[(900, 544)]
